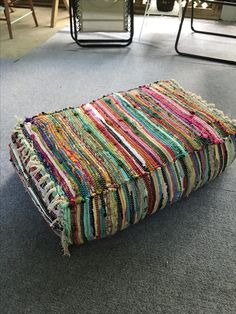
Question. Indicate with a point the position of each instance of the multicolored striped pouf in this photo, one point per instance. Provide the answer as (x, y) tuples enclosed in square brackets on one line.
[(98, 168)]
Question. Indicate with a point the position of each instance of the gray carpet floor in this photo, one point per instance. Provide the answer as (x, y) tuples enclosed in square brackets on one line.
[(181, 260)]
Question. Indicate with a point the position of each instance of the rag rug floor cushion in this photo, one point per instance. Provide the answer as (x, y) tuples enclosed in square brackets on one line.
[(96, 169)]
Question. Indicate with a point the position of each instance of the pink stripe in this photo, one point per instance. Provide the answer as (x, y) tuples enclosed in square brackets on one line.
[(205, 130), (132, 135)]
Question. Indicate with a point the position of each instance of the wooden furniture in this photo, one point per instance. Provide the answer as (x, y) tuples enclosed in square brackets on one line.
[(55, 4), (8, 8)]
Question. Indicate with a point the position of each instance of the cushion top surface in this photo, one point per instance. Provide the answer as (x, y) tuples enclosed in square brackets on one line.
[(121, 136)]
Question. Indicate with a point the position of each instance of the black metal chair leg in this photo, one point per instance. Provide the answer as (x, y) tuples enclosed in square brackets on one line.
[(180, 28), (192, 17), (202, 32)]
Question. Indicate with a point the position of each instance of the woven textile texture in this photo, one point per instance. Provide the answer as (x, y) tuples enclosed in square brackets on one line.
[(98, 168)]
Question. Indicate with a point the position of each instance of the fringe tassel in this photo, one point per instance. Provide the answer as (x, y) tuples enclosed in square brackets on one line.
[(210, 106), (29, 159), (64, 244)]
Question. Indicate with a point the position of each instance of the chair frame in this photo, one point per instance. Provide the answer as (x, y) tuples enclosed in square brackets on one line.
[(7, 18), (185, 54), (73, 4)]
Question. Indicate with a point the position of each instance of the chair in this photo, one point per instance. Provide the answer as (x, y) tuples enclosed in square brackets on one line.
[(166, 8), (8, 8), (146, 14), (228, 2), (101, 23)]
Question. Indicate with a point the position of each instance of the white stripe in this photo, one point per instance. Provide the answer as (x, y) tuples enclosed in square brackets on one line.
[(98, 115)]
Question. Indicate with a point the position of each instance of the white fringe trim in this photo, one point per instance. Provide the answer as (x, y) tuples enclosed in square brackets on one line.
[(58, 202), (64, 244), (210, 106)]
